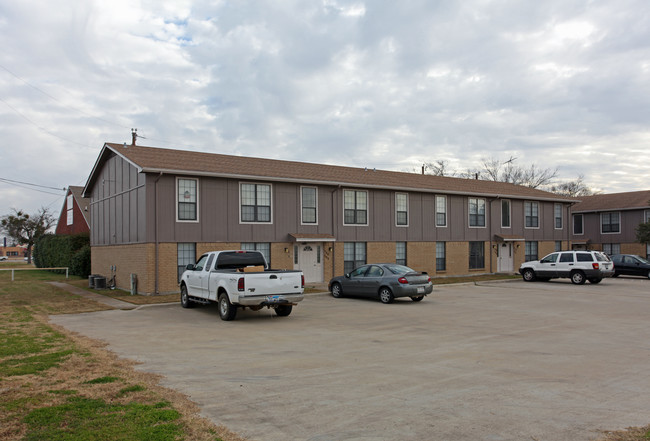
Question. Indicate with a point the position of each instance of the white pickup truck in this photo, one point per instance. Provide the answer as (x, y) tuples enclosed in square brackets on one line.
[(240, 279)]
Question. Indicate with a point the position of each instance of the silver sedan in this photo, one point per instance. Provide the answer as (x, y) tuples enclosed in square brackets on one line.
[(385, 281)]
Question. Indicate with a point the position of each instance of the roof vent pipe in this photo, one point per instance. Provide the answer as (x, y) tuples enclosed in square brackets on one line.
[(134, 135)]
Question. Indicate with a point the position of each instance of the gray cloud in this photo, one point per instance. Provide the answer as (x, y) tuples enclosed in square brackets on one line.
[(377, 84)]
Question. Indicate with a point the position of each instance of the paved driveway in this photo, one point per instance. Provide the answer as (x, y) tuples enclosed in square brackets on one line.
[(501, 361)]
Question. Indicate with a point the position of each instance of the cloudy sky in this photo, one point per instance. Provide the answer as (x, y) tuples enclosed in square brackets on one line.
[(385, 84)]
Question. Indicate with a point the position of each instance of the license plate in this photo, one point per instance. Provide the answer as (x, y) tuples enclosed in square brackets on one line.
[(273, 299), (420, 289)]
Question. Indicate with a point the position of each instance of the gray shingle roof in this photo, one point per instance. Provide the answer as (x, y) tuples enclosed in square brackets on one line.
[(633, 200)]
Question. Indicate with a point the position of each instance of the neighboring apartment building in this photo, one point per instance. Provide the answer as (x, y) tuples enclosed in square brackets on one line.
[(608, 222), (75, 215), (155, 210)]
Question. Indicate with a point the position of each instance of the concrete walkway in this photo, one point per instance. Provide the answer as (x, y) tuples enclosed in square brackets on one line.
[(113, 303)]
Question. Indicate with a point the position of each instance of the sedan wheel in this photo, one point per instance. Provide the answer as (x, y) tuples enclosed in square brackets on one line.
[(337, 292), (417, 298), (386, 295)]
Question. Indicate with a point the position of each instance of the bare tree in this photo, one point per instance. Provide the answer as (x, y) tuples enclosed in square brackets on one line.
[(26, 229), (439, 167), (575, 188)]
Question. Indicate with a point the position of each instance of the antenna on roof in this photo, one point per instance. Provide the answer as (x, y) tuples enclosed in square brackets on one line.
[(134, 135)]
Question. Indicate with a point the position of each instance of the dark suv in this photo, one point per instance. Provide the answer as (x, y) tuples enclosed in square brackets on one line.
[(576, 265)]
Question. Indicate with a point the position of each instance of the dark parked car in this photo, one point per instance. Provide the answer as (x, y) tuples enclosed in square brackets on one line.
[(385, 281), (631, 265)]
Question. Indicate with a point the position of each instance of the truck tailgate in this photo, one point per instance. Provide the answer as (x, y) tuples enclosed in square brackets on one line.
[(271, 283)]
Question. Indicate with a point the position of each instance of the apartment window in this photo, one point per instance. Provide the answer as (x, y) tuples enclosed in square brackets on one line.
[(309, 202), (69, 207), (476, 212), (355, 207), (647, 216), (400, 253), (354, 255), (578, 226), (610, 222), (441, 211), (185, 254), (612, 248), (441, 256), (558, 216), (505, 213), (255, 203), (647, 251), (262, 247), (531, 213), (476, 255), (531, 251), (558, 245), (401, 209), (187, 198)]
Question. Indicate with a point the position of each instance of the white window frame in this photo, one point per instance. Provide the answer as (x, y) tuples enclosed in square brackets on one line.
[(538, 215), (270, 222), (646, 216), (302, 221), (182, 178), (407, 210), (573, 222), (509, 213), (442, 198), (555, 218), (69, 210), (367, 207), (469, 214), (619, 222), (405, 259)]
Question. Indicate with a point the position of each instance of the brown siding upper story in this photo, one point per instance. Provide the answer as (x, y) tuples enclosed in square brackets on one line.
[(133, 194)]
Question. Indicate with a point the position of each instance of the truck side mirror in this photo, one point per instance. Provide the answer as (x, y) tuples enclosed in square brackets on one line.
[(190, 267)]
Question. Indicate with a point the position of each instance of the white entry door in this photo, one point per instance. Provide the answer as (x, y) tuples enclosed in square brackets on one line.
[(310, 261), (505, 259)]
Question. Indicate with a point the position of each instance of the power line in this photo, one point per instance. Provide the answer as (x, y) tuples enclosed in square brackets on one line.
[(33, 185), (59, 101), (42, 128)]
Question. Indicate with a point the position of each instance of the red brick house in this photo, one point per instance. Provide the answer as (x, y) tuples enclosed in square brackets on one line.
[(75, 213)]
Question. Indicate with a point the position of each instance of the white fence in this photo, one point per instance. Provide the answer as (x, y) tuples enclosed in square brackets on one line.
[(35, 269)]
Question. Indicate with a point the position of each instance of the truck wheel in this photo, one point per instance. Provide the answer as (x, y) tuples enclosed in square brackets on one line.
[(185, 298), (578, 278), (283, 310), (528, 275), (386, 295), (337, 292), (594, 281), (227, 311)]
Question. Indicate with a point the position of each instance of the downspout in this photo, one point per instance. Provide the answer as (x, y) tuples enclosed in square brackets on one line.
[(157, 258), (334, 231)]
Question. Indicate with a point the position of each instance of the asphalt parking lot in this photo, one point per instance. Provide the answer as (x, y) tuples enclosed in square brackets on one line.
[(496, 361)]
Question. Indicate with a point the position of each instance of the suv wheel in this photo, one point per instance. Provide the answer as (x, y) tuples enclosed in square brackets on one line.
[(578, 278), (528, 275)]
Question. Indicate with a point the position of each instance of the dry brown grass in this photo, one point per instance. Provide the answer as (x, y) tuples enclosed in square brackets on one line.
[(20, 394)]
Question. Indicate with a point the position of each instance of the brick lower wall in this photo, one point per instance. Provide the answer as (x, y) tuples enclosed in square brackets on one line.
[(128, 259)]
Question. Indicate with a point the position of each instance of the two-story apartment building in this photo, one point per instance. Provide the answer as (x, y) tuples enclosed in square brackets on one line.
[(155, 210), (608, 222)]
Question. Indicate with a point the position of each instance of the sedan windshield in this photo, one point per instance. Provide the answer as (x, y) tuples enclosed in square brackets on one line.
[(642, 260), (399, 269)]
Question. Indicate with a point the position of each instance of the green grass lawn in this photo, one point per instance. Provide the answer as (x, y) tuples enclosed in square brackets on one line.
[(55, 386)]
